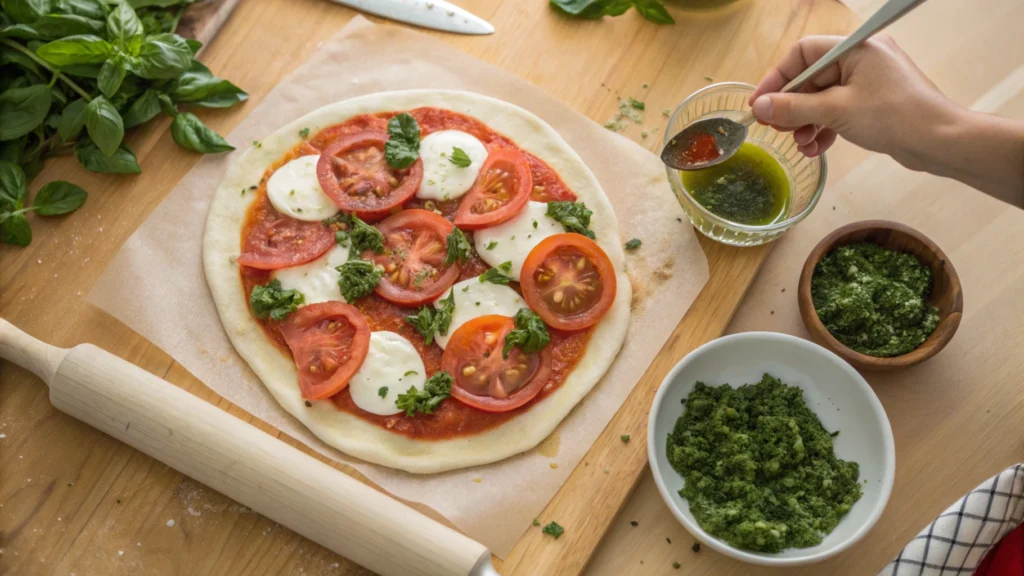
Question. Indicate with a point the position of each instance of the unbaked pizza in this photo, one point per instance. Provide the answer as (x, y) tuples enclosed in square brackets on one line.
[(427, 280)]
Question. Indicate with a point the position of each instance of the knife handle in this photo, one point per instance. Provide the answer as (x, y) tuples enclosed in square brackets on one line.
[(244, 463)]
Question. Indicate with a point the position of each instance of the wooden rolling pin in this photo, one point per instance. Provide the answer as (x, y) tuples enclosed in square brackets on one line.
[(238, 460)]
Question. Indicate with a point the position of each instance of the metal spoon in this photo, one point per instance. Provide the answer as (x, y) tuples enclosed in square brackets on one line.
[(729, 134)]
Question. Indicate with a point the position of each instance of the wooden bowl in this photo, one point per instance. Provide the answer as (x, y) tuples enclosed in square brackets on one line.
[(946, 294)]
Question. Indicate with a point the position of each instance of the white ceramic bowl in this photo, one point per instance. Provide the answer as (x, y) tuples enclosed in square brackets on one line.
[(835, 391)]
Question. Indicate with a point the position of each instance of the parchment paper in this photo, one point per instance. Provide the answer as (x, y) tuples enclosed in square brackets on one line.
[(155, 284)]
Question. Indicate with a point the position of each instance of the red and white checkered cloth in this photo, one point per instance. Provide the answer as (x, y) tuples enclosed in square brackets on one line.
[(958, 540)]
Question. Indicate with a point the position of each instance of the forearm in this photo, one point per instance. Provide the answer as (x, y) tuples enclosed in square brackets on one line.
[(983, 151)]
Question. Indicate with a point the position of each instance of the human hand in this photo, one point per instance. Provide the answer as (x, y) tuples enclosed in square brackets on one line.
[(874, 96)]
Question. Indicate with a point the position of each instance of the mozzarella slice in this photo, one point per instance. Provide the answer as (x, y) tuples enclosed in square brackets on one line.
[(443, 180), (294, 190), (512, 241), (317, 280), (474, 299), (391, 362)]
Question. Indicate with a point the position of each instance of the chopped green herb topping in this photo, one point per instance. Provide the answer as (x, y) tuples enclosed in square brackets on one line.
[(272, 302), (430, 320), (574, 216), (410, 373), (491, 245), (774, 445), (633, 244), (435, 390), (357, 279), (304, 133), (624, 438), (495, 276), (403, 145), (459, 249), (382, 391), (553, 529), (530, 334), (636, 104)]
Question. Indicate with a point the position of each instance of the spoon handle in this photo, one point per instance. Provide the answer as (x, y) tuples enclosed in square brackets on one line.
[(892, 11)]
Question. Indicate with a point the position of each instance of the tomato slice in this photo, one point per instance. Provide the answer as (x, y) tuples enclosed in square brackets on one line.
[(415, 244), (274, 240), (501, 190), (485, 380), (354, 173), (329, 342), (568, 281)]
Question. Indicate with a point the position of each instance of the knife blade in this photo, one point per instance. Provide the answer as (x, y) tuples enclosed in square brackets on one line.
[(434, 14)]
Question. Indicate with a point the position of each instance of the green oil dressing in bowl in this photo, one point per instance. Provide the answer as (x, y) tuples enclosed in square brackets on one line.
[(751, 188)]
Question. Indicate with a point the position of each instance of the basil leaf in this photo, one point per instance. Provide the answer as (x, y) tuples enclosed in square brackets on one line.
[(25, 11), (191, 134), (573, 216), (160, 3), (54, 26), (530, 334), (122, 161), (12, 186), (654, 11), (22, 110), (110, 78), (72, 119), (459, 157), (592, 9), (88, 8), (124, 28), (143, 109), (16, 230), (193, 45), (73, 50), (458, 248), (494, 275), (162, 57), (20, 31), (403, 145), (58, 197), (435, 390), (198, 86), (104, 124)]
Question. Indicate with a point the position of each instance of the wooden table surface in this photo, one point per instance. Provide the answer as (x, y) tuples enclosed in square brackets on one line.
[(74, 501)]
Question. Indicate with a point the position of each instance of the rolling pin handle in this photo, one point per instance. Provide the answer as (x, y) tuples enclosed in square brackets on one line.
[(484, 567), (33, 355)]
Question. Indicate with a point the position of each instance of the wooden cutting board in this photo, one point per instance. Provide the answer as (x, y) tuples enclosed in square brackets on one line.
[(202, 20), (73, 498)]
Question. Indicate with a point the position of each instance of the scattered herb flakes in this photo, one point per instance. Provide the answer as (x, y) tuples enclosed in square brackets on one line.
[(553, 529), (70, 484), (709, 78), (494, 275), (624, 438), (644, 134), (534, 223), (676, 565), (536, 522), (118, 500), (666, 112), (435, 390), (304, 133), (667, 539), (382, 391), (636, 104), (410, 373), (695, 547), (633, 244), (634, 523), (308, 405), (257, 144), (490, 246), (646, 86)]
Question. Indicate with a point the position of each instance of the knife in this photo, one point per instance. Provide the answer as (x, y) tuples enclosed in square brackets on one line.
[(435, 14)]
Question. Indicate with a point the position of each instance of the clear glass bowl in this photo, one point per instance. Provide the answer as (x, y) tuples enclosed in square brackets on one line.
[(806, 175)]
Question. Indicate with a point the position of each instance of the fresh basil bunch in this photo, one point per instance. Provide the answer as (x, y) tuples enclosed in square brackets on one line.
[(652, 10), (75, 74)]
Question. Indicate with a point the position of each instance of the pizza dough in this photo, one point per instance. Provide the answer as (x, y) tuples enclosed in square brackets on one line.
[(347, 432)]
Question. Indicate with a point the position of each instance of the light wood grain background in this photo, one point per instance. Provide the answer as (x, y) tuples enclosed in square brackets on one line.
[(74, 501)]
